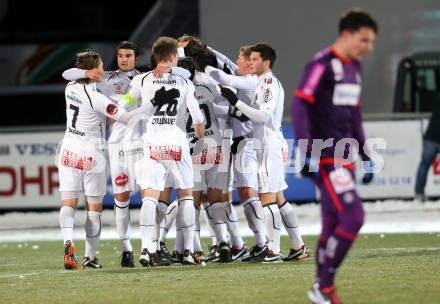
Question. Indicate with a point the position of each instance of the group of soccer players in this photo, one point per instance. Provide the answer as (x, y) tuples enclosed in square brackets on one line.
[(203, 125), (188, 125)]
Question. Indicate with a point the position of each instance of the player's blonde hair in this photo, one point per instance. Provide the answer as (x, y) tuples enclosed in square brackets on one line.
[(163, 48), (246, 51)]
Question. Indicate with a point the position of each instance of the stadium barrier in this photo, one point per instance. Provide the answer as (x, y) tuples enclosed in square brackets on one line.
[(29, 176)]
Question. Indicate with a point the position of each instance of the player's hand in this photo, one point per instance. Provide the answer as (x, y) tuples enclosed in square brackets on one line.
[(160, 70), (94, 74), (229, 95), (310, 168), (369, 174), (163, 96)]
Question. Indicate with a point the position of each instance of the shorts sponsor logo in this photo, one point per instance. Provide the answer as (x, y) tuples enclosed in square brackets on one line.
[(166, 152), (212, 155), (112, 109), (341, 180), (121, 180), (77, 161)]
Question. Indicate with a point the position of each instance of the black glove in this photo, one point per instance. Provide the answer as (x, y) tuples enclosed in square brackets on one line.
[(235, 142), (162, 96), (368, 176), (226, 69), (310, 168), (196, 146), (229, 95)]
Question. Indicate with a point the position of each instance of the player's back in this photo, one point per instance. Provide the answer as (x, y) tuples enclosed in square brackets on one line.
[(83, 121), (169, 91)]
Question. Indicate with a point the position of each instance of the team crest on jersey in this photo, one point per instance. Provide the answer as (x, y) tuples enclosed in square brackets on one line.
[(112, 109), (121, 180), (269, 81), (74, 160), (166, 152), (267, 95)]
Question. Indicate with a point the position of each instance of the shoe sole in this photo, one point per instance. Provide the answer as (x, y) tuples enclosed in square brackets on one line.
[(300, 258)]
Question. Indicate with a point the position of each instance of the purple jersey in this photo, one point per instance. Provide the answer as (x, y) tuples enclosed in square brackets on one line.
[(326, 103)]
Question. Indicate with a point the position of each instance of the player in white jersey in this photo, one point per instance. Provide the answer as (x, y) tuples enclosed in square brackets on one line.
[(244, 149), (166, 152), (266, 112), (124, 146), (249, 82), (81, 162)]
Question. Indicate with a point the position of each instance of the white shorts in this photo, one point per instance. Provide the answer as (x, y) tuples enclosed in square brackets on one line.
[(271, 167), (160, 163), (246, 165), (206, 165), (122, 157), (82, 168)]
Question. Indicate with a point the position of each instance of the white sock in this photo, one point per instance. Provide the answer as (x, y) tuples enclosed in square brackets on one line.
[(186, 216), (273, 226), (255, 218), (178, 244), (147, 223), (122, 219), (211, 225), (67, 222), (170, 219), (233, 226), (197, 245), (219, 217), (290, 221), (162, 212), (93, 232)]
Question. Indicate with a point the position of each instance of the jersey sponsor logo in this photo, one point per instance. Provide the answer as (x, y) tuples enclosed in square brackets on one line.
[(112, 109), (164, 81), (267, 95), (341, 180), (72, 96), (77, 161), (76, 132), (166, 152), (346, 94), (121, 180)]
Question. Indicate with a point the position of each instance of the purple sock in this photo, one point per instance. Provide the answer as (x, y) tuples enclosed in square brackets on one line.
[(335, 252)]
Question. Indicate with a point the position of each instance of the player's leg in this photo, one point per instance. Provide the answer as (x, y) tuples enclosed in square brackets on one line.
[(186, 219), (123, 183), (298, 250), (219, 217), (239, 250), (93, 231), (198, 250), (162, 253), (246, 182), (69, 204), (273, 221)]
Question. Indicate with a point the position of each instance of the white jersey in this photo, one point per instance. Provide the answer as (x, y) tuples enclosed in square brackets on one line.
[(245, 85), (86, 111), (117, 83), (177, 95), (268, 97)]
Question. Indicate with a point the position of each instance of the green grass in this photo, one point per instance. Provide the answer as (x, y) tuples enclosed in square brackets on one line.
[(396, 268)]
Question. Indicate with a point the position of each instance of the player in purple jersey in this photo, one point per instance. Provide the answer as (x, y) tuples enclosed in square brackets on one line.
[(326, 110)]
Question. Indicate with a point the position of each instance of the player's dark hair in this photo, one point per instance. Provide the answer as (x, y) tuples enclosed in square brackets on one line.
[(163, 48), (266, 52), (204, 58), (354, 20), (87, 60), (188, 64), (129, 45)]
